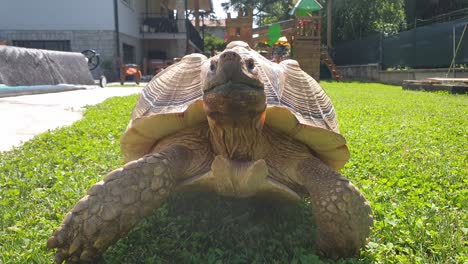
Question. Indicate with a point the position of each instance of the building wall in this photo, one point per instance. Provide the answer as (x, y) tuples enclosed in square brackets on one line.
[(172, 47), (136, 43), (365, 72), (130, 16), (71, 15), (372, 73), (56, 15)]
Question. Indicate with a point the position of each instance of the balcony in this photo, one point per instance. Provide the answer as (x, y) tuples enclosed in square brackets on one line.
[(155, 27), (158, 25)]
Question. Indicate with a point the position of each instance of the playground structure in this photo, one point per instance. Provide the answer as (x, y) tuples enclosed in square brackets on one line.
[(303, 34)]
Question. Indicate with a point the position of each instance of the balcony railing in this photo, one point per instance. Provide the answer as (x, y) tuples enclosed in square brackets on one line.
[(158, 25), (193, 35), (309, 28), (154, 24)]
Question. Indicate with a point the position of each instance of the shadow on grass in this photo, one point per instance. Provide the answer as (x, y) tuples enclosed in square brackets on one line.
[(207, 228)]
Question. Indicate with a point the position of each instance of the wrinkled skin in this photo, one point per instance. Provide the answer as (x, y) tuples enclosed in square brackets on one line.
[(235, 154)]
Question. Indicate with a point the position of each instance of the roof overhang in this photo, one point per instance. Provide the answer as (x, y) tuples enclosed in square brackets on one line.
[(206, 5)]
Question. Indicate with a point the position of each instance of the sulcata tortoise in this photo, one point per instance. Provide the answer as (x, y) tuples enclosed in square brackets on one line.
[(236, 124)]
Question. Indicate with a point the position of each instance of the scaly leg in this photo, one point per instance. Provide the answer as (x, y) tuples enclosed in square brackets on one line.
[(342, 214), (115, 205)]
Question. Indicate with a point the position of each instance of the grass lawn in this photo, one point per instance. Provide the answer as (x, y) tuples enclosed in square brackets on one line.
[(409, 157)]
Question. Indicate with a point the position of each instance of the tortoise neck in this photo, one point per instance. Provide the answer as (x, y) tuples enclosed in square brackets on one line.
[(237, 139)]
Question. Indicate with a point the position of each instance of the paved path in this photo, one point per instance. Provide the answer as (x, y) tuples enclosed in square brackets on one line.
[(23, 117)]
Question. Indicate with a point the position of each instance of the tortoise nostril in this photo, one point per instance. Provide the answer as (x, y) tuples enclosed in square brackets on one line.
[(229, 55)]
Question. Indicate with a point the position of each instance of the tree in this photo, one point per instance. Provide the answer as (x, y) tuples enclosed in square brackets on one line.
[(213, 44), (355, 19), (265, 11), (351, 19), (424, 10)]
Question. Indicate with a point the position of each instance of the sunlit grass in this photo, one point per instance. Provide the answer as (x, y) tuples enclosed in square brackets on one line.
[(409, 157)]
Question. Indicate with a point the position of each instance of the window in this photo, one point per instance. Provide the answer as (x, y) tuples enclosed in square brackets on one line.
[(61, 45), (128, 54), (238, 32)]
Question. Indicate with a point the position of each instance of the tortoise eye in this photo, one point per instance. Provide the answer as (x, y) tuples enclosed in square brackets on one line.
[(250, 64), (213, 66)]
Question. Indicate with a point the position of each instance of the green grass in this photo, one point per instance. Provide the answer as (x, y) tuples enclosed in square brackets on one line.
[(409, 157)]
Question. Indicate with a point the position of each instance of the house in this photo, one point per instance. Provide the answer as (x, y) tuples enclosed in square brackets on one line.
[(150, 33)]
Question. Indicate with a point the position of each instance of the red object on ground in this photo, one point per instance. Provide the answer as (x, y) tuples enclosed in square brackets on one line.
[(130, 70)]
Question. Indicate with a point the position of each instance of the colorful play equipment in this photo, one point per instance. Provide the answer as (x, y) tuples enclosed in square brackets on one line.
[(303, 33)]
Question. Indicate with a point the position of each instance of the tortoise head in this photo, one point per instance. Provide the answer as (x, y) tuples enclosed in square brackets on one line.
[(232, 87)]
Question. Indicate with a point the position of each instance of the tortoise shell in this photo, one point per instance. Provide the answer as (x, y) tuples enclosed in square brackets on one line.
[(296, 106)]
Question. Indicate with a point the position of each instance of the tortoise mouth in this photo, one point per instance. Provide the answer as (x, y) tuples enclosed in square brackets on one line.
[(235, 99), (230, 85)]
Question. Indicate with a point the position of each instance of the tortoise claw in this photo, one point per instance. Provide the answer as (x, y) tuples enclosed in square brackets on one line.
[(52, 243), (59, 258)]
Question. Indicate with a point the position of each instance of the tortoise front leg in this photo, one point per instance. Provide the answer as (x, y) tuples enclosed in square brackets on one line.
[(342, 214), (112, 207)]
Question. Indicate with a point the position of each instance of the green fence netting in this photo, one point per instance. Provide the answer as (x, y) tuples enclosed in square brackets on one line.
[(430, 46)]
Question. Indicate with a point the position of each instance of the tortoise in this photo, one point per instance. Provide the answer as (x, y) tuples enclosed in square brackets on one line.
[(236, 124)]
